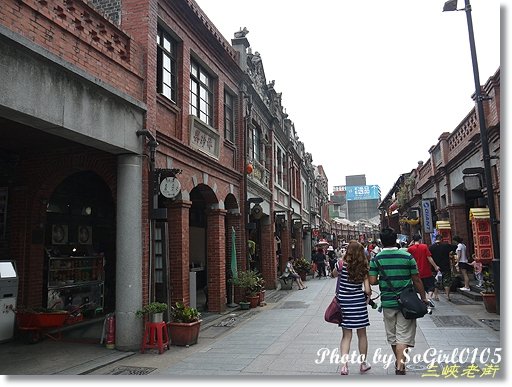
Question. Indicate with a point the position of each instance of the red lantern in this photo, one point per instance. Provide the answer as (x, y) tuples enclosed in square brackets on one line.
[(249, 168)]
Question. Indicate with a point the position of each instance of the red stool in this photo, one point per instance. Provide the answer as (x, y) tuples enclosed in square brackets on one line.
[(155, 336)]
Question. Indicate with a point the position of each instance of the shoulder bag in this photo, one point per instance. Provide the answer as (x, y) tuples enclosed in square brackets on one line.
[(408, 301), (333, 312)]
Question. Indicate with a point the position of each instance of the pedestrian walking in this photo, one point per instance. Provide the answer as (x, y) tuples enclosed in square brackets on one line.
[(462, 262), (425, 264), (401, 271), (476, 263), (319, 259), (441, 255), (353, 293), (331, 256)]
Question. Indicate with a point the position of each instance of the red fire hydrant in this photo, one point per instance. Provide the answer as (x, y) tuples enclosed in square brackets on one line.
[(110, 331)]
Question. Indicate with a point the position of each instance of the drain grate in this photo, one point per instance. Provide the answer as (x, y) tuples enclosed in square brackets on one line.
[(454, 321), (293, 305), (229, 322), (493, 323), (127, 370)]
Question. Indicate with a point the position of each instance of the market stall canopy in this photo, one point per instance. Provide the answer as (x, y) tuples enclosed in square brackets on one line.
[(479, 213)]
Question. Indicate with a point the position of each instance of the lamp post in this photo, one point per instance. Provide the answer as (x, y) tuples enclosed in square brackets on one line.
[(452, 6)]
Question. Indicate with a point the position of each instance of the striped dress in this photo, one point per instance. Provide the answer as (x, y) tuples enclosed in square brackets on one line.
[(352, 301)]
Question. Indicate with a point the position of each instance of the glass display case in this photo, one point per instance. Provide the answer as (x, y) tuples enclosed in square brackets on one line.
[(76, 282)]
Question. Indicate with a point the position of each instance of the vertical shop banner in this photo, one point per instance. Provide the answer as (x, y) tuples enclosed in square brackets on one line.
[(426, 212)]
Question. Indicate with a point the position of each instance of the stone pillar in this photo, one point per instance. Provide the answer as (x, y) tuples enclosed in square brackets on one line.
[(268, 254), (216, 260), (179, 234), (129, 252)]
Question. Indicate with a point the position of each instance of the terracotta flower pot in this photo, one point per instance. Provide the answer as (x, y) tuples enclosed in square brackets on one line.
[(184, 333), (253, 300), (489, 302)]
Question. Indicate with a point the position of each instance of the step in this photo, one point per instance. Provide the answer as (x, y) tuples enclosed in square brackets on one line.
[(474, 293)]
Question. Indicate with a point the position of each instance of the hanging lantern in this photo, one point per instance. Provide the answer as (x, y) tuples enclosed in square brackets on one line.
[(249, 168)]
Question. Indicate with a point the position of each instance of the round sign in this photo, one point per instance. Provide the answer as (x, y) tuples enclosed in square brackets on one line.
[(170, 187)]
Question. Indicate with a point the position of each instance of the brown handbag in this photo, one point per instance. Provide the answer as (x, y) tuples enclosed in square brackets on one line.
[(333, 312)]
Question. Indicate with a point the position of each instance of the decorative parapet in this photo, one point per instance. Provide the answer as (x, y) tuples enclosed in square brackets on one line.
[(85, 23), (461, 136), (213, 30)]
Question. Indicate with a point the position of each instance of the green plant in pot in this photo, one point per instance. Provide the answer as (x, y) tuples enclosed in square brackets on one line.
[(302, 265), (153, 309), (184, 325), (488, 294)]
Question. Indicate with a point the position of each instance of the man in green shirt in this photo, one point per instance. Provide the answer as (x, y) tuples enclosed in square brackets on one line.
[(400, 268)]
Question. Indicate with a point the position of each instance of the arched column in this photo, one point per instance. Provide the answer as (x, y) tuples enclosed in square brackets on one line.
[(216, 255), (179, 251)]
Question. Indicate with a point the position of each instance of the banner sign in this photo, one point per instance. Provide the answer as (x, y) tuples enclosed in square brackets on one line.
[(362, 192), (426, 211)]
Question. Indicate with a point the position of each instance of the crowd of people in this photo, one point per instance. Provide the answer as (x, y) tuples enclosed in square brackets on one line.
[(357, 266)]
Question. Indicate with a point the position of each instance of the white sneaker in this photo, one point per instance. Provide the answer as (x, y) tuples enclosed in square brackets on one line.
[(465, 289)]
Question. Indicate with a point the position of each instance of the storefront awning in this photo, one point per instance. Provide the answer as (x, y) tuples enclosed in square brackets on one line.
[(479, 213), (443, 225)]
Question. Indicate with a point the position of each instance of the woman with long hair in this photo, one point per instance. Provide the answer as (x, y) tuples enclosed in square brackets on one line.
[(353, 293)]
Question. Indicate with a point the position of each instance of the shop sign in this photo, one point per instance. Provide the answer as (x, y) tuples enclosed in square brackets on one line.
[(426, 211)]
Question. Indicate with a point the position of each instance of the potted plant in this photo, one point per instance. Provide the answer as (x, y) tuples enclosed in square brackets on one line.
[(155, 311), (184, 325), (260, 286), (488, 294), (250, 282), (302, 266)]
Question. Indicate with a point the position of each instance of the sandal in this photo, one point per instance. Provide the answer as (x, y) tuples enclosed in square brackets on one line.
[(344, 370)]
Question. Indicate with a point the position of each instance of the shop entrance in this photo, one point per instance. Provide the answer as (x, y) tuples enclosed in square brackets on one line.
[(79, 266)]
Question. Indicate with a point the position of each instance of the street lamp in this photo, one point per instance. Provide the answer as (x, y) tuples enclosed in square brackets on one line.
[(452, 6)]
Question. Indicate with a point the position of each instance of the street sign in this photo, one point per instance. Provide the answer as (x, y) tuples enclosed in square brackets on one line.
[(426, 210)]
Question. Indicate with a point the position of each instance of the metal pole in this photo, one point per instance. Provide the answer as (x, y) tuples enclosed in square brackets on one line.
[(487, 159)]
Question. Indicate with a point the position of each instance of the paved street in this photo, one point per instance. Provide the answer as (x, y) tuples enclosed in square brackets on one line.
[(286, 336)]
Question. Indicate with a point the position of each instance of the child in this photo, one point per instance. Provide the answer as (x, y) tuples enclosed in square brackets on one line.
[(477, 267)]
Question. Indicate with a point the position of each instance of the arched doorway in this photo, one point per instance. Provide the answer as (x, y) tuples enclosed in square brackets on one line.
[(79, 265), (203, 199)]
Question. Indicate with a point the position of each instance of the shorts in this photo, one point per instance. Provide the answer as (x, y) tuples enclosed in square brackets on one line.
[(428, 284), (398, 329), (465, 266), (447, 279)]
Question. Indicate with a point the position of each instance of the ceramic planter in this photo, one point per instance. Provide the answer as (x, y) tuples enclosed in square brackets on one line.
[(184, 334), (244, 305), (156, 317), (253, 300), (489, 302)]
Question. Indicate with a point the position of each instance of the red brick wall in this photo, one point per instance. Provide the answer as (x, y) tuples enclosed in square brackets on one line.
[(268, 256), (216, 256), (67, 33), (179, 229)]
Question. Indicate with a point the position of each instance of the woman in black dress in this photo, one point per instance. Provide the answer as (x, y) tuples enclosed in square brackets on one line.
[(353, 294)]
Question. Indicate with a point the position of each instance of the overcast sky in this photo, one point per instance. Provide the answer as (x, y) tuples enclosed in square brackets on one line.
[(370, 85)]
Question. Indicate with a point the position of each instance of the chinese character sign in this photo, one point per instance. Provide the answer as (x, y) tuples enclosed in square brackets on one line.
[(362, 192)]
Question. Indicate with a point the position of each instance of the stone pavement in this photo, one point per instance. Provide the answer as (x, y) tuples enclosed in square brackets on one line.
[(283, 338)]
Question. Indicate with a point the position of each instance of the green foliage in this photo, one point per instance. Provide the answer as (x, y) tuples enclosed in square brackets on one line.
[(488, 283), (250, 280), (302, 265), (152, 307), (184, 314)]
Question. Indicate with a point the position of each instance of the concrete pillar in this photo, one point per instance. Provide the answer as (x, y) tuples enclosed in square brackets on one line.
[(216, 255), (179, 251), (129, 252)]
